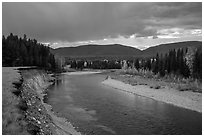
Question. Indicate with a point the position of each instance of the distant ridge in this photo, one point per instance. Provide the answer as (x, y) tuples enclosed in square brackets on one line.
[(164, 48), (98, 50), (117, 50)]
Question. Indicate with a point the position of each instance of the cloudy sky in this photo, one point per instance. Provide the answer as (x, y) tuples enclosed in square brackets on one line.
[(135, 24)]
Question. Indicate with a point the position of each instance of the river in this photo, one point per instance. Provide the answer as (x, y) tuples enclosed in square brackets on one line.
[(94, 108)]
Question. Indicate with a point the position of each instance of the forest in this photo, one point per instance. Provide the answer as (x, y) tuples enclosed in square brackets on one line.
[(182, 62), (96, 64), (26, 52)]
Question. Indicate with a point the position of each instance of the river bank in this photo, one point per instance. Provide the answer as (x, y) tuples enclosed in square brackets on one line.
[(24, 111), (184, 99), (38, 113), (82, 72)]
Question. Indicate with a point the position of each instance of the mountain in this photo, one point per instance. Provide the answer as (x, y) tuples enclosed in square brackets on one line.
[(121, 51), (164, 48), (113, 50)]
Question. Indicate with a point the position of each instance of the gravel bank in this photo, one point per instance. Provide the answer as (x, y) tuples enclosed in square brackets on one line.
[(40, 117), (185, 99), (82, 72)]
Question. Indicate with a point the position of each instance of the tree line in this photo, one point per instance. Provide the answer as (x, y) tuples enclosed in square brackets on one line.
[(177, 62), (174, 62), (26, 52), (96, 64)]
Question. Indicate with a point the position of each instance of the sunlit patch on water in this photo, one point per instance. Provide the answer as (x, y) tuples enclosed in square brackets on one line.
[(107, 129), (81, 113)]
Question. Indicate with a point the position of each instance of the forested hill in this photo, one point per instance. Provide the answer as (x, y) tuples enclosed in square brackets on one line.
[(165, 48), (121, 50), (98, 50), (25, 52)]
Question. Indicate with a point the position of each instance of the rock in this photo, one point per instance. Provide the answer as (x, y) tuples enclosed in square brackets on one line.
[(33, 118), (28, 103), (38, 122)]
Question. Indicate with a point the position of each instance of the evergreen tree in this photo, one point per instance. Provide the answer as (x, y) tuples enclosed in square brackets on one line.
[(148, 64), (156, 67), (197, 64), (186, 70), (161, 66), (137, 64), (25, 52)]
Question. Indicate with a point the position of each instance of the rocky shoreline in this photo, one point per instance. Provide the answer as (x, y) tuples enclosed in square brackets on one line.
[(39, 116)]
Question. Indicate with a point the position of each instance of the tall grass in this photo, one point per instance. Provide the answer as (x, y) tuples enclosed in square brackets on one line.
[(177, 81), (140, 72), (13, 122)]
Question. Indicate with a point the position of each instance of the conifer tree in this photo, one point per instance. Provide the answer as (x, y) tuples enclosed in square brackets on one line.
[(25, 52)]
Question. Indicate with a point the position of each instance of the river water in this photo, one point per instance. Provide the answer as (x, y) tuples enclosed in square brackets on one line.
[(94, 108)]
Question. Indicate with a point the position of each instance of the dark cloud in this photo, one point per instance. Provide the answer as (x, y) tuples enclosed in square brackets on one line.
[(185, 15), (91, 21)]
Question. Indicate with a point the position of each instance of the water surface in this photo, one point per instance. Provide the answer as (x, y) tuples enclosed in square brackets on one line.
[(96, 109)]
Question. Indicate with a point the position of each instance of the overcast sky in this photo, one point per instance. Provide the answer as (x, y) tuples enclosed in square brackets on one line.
[(136, 24)]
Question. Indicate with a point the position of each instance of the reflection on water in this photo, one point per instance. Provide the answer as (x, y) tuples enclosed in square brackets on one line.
[(97, 109)]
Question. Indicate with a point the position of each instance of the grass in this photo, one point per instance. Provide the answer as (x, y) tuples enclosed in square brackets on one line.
[(146, 77), (140, 72), (13, 122), (195, 86)]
